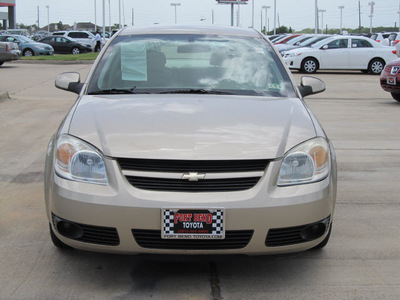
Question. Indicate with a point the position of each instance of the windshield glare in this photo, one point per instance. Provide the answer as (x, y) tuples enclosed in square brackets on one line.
[(163, 63)]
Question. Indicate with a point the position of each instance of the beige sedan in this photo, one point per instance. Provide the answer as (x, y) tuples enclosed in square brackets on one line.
[(190, 140)]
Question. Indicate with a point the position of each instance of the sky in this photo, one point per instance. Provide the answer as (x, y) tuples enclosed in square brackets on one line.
[(297, 14)]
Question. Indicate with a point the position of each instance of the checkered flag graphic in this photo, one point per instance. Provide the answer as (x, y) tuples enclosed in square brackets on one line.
[(218, 226), (168, 222)]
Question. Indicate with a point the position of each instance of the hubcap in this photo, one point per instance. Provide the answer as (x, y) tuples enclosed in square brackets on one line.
[(310, 66), (377, 67), (28, 53)]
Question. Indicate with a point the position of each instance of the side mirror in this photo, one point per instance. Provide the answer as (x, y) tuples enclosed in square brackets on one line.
[(69, 82), (311, 85), (324, 47)]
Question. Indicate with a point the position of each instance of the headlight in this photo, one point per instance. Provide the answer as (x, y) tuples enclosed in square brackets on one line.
[(295, 54), (79, 161), (306, 163)]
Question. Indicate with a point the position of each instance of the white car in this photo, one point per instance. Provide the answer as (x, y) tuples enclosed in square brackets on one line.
[(341, 53), (84, 37)]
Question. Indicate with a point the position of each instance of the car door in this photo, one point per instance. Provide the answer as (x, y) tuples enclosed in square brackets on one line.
[(50, 41), (63, 44), (335, 54), (361, 52)]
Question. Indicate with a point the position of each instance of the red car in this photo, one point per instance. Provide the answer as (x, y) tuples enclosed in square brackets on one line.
[(390, 79)]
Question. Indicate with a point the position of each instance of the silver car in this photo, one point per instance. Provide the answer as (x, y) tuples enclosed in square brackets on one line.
[(190, 140)]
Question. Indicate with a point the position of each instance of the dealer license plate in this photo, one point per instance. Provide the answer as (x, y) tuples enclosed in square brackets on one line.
[(391, 80), (189, 223)]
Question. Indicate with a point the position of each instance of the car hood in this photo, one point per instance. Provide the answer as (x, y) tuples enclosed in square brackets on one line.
[(191, 126)]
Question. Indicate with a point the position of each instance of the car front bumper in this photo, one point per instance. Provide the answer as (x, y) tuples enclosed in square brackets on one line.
[(133, 218)]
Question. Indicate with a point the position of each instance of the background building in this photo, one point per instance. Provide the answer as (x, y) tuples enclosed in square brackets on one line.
[(8, 19)]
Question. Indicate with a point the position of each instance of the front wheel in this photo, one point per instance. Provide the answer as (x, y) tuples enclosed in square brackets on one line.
[(1, 62), (75, 50), (309, 65), (376, 66), (28, 52), (396, 96)]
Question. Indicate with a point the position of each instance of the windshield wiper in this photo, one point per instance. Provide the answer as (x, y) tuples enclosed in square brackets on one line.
[(196, 91), (117, 91)]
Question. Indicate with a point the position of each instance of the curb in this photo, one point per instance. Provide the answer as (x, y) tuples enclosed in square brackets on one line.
[(4, 96)]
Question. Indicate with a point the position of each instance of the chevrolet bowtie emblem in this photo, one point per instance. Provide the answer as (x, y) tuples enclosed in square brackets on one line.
[(193, 176)]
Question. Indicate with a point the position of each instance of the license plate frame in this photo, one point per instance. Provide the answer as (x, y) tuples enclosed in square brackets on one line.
[(193, 223)]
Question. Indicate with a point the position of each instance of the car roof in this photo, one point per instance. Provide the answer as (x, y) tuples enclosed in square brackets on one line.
[(212, 30)]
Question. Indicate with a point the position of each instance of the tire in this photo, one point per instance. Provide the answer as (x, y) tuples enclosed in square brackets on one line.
[(1, 62), (396, 96), (376, 66), (325, 241), (309, 65), (28, 52), (56, 241), (75, 50)]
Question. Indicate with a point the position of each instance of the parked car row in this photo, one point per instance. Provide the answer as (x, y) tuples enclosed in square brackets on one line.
[(63, 44), (27, 46), (341, 53), (387, 38), (84, 37)]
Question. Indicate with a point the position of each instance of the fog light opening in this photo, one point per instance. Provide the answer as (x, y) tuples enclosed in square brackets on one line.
[(69, 229), (314, 231)]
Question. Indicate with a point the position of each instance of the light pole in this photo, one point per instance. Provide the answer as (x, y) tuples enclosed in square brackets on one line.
[(322, 18), (95, 17), (175, 5), (109, 16), (399, 19), (274, 17), (252, 14), (119, 14), (316, 17), (341, 10), (48, 18), (104, 20), (266, 9), (372, 3)]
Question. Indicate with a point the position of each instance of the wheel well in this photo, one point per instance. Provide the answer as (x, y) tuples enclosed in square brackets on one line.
[(308, 57), (26, 49), (376, 58)]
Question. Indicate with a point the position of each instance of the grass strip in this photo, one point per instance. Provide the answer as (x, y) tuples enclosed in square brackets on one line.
[(63, 57)]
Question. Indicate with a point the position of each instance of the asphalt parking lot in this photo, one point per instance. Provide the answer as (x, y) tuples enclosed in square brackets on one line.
[(361, 261)]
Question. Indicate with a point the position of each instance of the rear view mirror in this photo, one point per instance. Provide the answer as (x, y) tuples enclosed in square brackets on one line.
[(69, 82), (311, 85)]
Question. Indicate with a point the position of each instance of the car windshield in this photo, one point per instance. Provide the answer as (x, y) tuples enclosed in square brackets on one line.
[(190, 64)]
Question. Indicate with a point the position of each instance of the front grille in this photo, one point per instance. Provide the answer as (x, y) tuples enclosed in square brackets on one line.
[(93, 234), (180, 185), (288, 236), (234, 239), (223, 184), (181, 166)]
